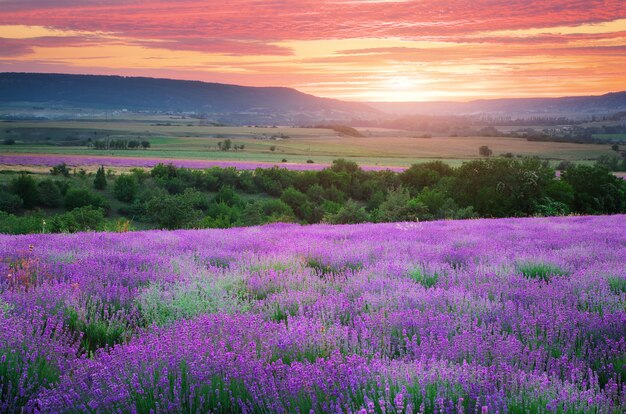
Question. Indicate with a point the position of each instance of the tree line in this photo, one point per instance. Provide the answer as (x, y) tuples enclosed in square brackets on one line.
[(171, 198), (120, 144)]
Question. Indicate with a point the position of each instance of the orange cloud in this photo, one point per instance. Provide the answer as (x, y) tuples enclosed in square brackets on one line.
[(358, 49)]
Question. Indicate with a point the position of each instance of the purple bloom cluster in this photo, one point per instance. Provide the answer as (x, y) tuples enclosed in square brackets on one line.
[(509, 315), (149, 162)]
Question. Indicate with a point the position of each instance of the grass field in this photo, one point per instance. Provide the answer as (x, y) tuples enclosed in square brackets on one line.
[(186, 139)]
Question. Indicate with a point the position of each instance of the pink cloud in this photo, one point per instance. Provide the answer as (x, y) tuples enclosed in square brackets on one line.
[(268, 21), (19, 47), (255, 27)]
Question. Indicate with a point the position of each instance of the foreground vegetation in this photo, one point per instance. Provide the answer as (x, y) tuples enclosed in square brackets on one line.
[(172, 198), (487, 316)]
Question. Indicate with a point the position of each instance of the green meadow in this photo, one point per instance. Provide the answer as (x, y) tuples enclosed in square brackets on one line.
[(189, 139)]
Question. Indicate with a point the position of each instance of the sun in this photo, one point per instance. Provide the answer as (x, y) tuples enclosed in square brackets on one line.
[(401, 83)]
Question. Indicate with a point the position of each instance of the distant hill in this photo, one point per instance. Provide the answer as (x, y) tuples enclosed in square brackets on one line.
[(247, 104), (574, 106), (38, 93)]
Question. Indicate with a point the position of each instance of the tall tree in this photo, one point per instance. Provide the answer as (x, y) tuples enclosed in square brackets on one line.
[(100, 182)]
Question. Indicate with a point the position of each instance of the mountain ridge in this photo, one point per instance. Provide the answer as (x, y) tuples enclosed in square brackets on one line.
[(110, 92), (238, 104)]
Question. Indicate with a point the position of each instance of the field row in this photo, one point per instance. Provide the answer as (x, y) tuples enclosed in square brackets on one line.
[(78, 161), (511, 315)]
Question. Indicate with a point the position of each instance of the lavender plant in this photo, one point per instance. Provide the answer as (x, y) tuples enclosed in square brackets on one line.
[(510, 315)]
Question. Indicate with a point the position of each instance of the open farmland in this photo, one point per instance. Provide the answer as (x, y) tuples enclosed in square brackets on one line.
[(510, 315), (186, 139), (91, 163)]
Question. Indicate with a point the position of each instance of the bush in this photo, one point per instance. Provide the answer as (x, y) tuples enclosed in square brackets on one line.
[(252, 215), (85, 218), (63, 186), (485, 151), (164, 171), (49, 194), (596, 190), (25, 187), (80, 197), (301, 206), (398, 207), (228, 196), (277, 210), (610, 162), (172, 212), (10, 203), (440, 206), (125, 188), (502, 187), (11, 224), (316, 193), (60, 169), (197, 199), (350, 213), (221, 216), (428, 174), (245, 182), (140, 174)]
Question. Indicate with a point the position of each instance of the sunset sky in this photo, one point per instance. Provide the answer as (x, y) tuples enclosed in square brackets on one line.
[(350, 49)]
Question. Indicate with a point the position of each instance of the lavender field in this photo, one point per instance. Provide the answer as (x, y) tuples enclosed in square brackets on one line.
[(149, 162), (479, 316)]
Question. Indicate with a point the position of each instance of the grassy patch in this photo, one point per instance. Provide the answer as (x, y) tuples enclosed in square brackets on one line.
[(424, 278), (22, 373), (540, 270), (97, 332), (617, 284), (323, 268), (162, 304)]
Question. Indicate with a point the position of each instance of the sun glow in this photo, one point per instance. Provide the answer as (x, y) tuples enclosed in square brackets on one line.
[(347, 49)]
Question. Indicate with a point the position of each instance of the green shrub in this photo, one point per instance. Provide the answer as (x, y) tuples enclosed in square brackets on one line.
[(423, 175), (228, 196), (252, 215), (125, 188), (596, 190), (172, 212), (10, 203), (276, 210), (79, 219), (49, 194), (25, 187), (350, 213), (425, 279), (11, 224), (398, 206), (100, 182), (60, 169), (540, 270), (81, 197)]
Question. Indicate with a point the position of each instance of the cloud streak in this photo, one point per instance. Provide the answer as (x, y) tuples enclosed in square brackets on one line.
[(306, 43)]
